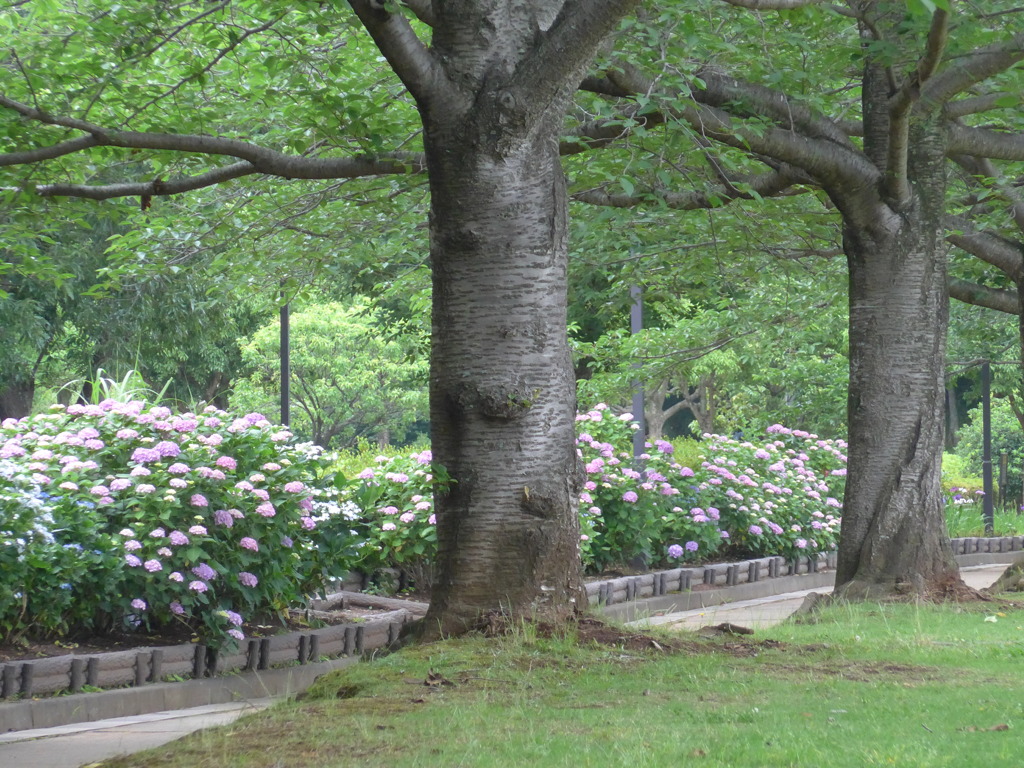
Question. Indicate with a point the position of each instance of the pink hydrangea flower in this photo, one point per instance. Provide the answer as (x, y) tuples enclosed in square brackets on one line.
[(226, 462)]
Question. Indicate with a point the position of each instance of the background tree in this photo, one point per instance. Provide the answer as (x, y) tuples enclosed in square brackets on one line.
[(351, 377), (889, 187)]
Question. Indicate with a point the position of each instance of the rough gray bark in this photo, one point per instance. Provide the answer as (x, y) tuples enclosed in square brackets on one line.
[(492, 92), (16, 398), (893, 537), (502, 384)]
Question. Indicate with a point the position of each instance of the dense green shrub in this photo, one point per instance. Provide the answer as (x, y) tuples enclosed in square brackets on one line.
[(1007, 437), (117, 515)]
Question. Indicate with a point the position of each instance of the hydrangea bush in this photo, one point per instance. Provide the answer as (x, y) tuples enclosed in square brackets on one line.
[(781, 497), (119, 513), (632, 508), (777, 498), (396, 522)]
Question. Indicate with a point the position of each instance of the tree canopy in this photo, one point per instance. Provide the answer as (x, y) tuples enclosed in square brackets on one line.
[(511, 109)]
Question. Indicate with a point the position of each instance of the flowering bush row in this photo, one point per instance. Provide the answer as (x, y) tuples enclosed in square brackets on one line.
[(777, 498), (119, 513)]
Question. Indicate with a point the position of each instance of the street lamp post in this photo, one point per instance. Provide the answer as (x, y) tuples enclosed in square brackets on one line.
[(636, 324), (285, 361)]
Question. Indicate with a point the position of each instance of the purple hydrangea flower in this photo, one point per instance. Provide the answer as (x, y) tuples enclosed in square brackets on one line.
[(145, 455), (226, 462), (675, 551), (167, 449), (153, 566), (204, 571), (178, 538), (247, 579), (247, 542), (138, 604)]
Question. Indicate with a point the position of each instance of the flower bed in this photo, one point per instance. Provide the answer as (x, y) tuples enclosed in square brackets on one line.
[(121, 515), (779, 496)]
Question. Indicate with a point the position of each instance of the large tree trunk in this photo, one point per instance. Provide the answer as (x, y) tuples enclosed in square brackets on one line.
[(894, 538), (502, 389), (502, 386), (16, 398)]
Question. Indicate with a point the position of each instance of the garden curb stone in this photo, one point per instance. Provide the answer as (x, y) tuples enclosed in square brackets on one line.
[(623, 599)]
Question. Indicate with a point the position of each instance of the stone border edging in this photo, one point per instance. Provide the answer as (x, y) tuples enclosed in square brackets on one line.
[(159, 697), (144, 668), (624, 599)]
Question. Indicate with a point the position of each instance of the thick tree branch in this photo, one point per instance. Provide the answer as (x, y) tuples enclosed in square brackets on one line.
[(156, 188), (973, 68), (772, 5), (983, 296), (745, 99), (596, 134), (423, 10), (262, 159), (976, 104), (47, 153), (1003, 254), (896, 184), (983, 142), (764, 185), (565, 48), (983, 173), (827, 155), (414, 64)]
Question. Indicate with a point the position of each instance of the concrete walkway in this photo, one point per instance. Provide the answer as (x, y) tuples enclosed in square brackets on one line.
[(768, 611), (83, 744)]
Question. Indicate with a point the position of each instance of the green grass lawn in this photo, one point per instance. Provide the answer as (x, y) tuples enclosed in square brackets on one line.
[(866, 685), (967, 520)]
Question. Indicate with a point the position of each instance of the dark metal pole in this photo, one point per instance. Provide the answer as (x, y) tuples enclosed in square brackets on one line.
[(285, 363), (986, 450), (636, 324)]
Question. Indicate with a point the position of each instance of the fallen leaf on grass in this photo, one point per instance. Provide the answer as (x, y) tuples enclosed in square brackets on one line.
[(976, 729)]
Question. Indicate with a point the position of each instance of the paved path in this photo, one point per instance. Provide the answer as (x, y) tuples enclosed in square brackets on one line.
[(768, 611), (83, 744)]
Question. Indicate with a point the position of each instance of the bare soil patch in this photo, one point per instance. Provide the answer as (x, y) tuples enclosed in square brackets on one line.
[(27, 649)]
